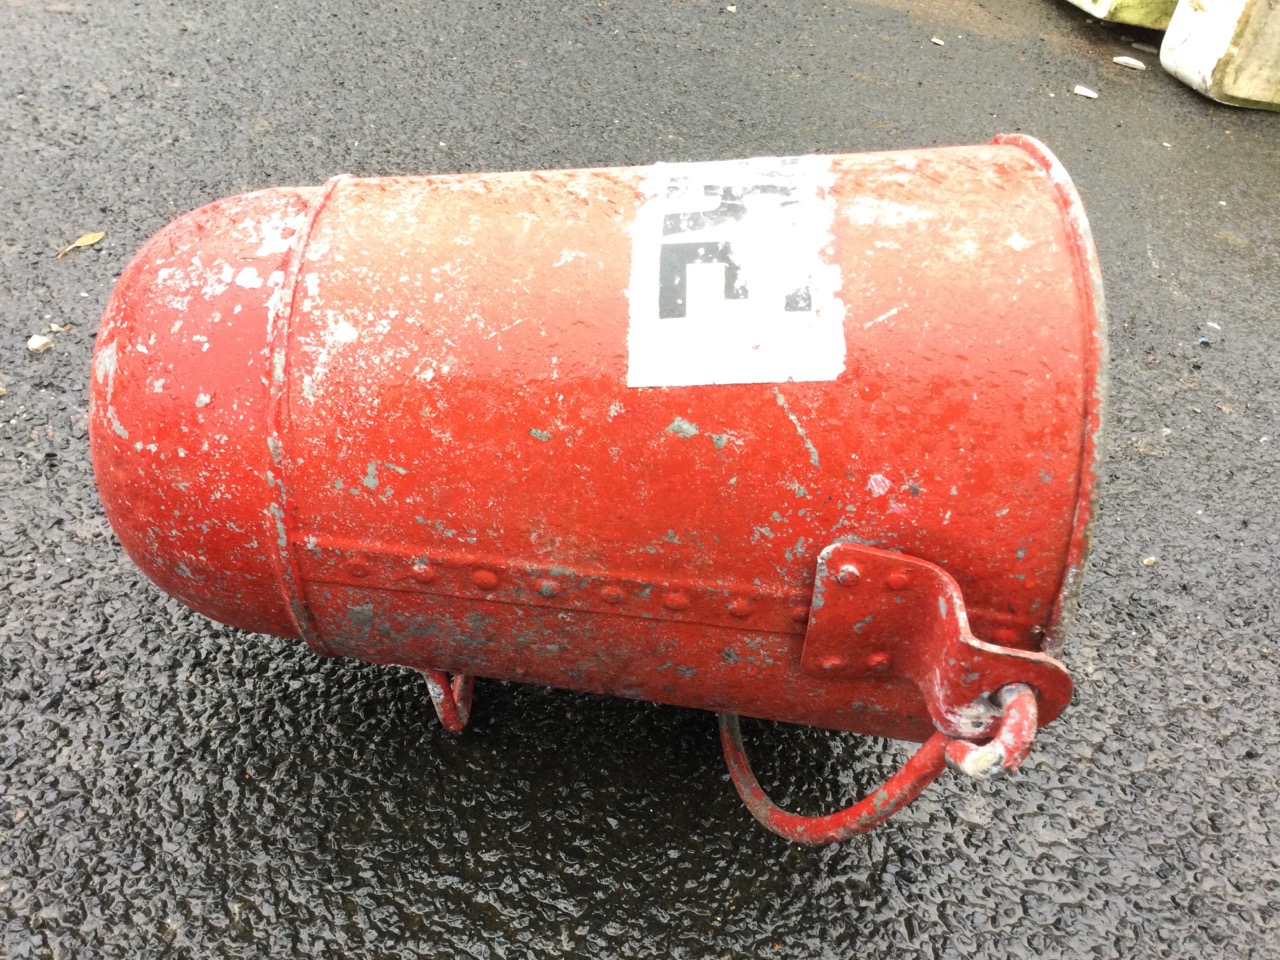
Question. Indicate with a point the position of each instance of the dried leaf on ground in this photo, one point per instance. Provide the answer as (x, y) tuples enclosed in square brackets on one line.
[(84, 240)]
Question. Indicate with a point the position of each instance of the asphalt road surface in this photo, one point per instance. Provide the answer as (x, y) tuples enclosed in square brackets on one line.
[(171, 787)]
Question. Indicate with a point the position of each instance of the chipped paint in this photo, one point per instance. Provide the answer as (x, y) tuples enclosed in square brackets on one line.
[(795, 421), (568, 256), (868, 211), (278, 235), (683, 428), (105, 363), (883, 317), (248, 278)]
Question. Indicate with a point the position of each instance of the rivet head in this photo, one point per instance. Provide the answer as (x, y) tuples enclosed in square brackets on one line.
[(898, 580), (423, 573), (833, 663), (740, 609), (548, 588), (611, 594), (847, 574), (878, 661), (676, 600), (800, 614), (357, 568), (485, 579)]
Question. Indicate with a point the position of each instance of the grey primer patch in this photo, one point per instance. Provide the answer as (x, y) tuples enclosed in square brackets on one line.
[(371, 476), (543, 435), (105, 365), (942, 607), (361, 617), (682, 428)]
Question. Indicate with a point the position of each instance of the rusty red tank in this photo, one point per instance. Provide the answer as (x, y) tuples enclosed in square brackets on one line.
[(809, 439)]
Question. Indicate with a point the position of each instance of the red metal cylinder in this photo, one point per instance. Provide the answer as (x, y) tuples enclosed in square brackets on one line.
[(594, 428)]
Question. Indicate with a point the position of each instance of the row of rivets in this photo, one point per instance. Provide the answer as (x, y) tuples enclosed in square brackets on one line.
[(847, 574), (677, 601), (876, 662)]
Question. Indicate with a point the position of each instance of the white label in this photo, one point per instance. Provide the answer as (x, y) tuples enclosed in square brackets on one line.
[(730, 281)]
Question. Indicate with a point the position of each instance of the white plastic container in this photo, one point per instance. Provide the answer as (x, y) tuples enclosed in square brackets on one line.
[(1227, 49), (1154, 14)]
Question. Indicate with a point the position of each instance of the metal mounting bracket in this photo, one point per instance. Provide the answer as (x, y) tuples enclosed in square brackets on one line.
[(877, 615)]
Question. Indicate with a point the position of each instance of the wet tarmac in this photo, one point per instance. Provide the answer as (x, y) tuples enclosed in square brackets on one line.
[(170, 787)]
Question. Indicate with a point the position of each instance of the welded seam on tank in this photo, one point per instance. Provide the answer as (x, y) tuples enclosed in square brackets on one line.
[(284, 505), (1088, 268)]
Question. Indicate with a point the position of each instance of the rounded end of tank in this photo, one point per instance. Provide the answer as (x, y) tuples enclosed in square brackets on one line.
[(1089, 269), (178, 412)]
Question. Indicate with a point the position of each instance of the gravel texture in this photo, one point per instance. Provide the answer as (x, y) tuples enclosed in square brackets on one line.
[(170, 787)]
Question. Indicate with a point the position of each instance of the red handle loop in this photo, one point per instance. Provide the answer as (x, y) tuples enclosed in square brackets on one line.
[(1005, 752), (871, 811), (451, 698)]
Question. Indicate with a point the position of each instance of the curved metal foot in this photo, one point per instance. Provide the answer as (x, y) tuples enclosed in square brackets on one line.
[(451, 697)]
